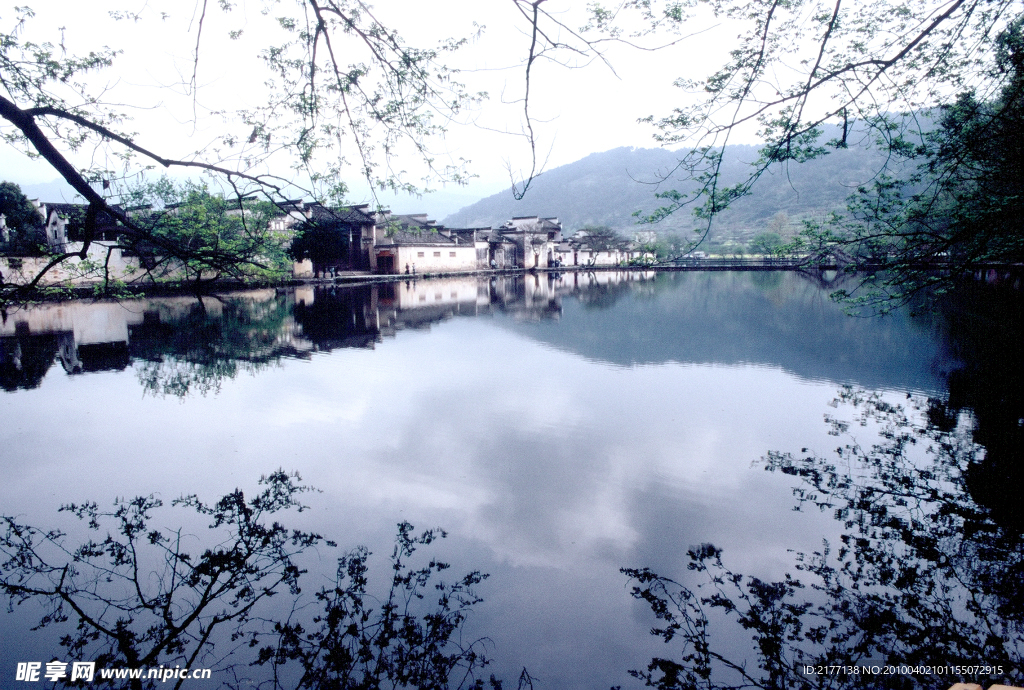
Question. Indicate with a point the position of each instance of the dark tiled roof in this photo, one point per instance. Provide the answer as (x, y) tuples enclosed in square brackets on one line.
[(351, 215), (468, 235), (75, 213), (532, 225), (407, 238), (494, 236), (413, 222)]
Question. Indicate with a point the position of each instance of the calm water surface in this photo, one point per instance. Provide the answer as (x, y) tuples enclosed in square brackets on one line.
[(559, 429)]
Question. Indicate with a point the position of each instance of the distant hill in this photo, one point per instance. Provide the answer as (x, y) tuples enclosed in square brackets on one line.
[(56, 191), (606, 188)]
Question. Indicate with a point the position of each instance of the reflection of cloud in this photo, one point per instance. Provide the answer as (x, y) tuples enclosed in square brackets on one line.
[(544, 459), (550, 470), (543, 456)]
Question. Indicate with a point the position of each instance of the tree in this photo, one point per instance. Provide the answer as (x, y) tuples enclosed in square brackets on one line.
[(601, 238), (813, 78), (671, 247), (779, 223), (767, 243), (959, 210), (333, 74), (26, 235), (322, 242), (920, 572), (203, 224), (326, 92), (139, 595), (344, 92)]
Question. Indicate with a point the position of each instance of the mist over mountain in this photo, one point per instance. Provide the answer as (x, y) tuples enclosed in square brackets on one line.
[(55, 191), (607, 188)]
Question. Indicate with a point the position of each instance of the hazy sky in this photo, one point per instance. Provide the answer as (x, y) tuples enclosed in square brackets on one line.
[(576, 110)]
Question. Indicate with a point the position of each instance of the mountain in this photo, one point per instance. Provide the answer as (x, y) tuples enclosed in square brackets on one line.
[(55, 191), (607, 188)]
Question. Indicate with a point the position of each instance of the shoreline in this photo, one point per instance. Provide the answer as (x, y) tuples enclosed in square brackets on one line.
[(60, 293)]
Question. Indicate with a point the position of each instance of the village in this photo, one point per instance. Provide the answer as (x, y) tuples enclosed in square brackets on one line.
[(364, 242), (388, 243)]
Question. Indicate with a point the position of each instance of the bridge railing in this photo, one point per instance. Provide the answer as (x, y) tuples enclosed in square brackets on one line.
[(737, 262)]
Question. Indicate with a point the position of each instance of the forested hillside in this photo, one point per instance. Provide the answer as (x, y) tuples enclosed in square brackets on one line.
[(607, 188)]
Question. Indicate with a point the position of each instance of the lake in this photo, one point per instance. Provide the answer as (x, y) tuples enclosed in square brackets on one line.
[(561, 428)]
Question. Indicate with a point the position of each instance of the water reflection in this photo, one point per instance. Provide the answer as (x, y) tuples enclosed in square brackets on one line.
[(565, 430), (918, 577), (922, 578), (138, 602), (984, 330), (185, 345), (776, 319)]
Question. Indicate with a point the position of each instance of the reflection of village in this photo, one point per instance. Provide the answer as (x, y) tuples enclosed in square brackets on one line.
[(263, 326)]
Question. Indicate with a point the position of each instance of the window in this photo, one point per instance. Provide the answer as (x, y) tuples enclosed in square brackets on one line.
[(451, 253), (420, 254), (437, 253)]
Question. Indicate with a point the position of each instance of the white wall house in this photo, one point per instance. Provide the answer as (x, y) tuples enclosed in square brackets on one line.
[(429, 252)]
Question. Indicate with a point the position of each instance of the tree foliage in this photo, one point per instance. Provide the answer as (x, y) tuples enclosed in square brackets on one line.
[(339, 83), (799, 66), (206, 226), (860, 72), (601, 238), (25, 227), (960, 209), (767, 243), (344, 92), (322, 242)]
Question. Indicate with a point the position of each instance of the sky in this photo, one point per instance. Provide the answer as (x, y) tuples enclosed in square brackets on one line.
[(577, 108), (182, 108)]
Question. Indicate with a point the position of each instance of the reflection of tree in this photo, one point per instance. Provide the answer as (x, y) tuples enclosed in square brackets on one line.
[(604, 295), (338, 318), (983, 328), (180, 378), (141, 595), (25, 359), (767, 281), (355, 647), (197, 351), (921, 576)]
